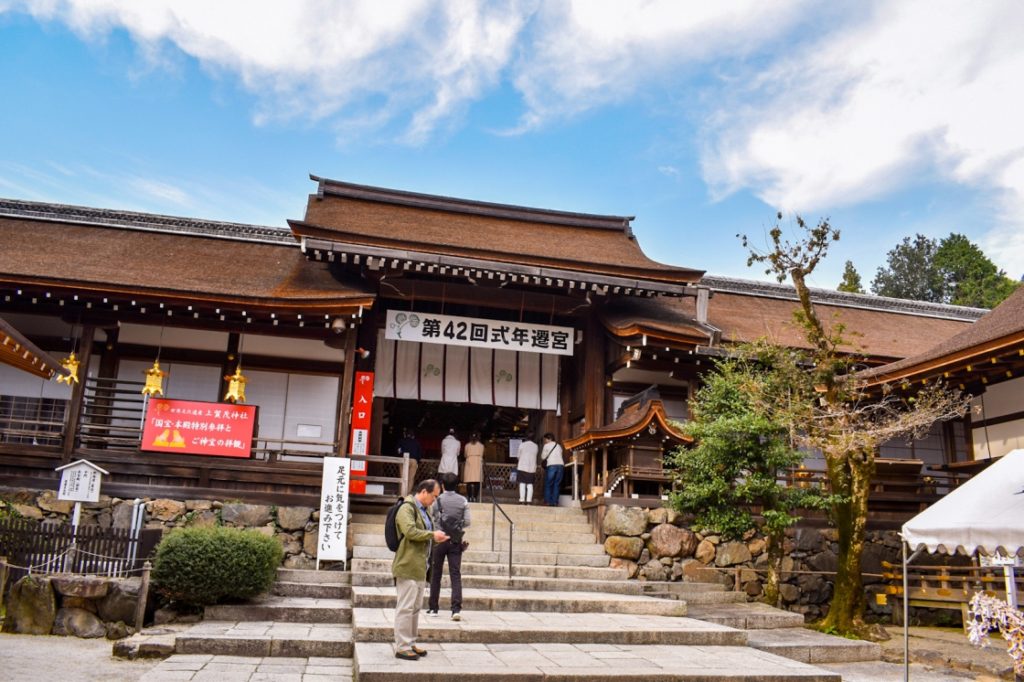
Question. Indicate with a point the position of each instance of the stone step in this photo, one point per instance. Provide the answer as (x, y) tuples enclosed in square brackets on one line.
[(375, 662), (382, 552), (517, 583), (284, 610), (514, 627), (484, 556), (231, 638), (232, 668), (484, 536), (683, 587), (810, 646), (484, 525), (746, 616), (299, 575), (518, 513), (316, 590), (474, 599), (526, 570)]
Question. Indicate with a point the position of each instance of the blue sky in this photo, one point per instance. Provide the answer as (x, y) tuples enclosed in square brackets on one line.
[(702, 121)]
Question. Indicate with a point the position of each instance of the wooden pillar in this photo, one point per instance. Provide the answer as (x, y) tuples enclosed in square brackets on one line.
[(345, 400), (594, 373), (74, 413)]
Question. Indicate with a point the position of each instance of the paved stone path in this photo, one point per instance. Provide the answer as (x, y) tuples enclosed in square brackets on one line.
[(206, 668), (551, 662)]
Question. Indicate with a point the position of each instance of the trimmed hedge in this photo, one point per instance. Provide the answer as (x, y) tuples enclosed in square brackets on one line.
[(202, 566)]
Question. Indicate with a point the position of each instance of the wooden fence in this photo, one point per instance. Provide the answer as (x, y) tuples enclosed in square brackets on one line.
[(32, 547)]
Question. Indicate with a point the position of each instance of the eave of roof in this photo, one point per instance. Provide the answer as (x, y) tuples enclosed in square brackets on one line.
[(16, 350), (999, 332), (627, 425)]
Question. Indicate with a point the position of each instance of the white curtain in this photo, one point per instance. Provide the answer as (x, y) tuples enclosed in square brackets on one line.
[(459, 374)]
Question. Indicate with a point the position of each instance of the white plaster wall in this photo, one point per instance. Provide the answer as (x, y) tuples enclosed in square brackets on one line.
[(1000, 399)]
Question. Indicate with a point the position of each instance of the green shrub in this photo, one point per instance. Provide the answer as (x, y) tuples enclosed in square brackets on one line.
[(201, 566)]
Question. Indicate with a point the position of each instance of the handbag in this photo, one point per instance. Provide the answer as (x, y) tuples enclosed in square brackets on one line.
[(512, 476)]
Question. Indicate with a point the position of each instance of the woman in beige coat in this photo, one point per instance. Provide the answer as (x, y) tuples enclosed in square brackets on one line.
[(473, 474)]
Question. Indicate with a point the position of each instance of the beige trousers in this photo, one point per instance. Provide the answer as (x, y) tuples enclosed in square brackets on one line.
[(407, 612), (411, 481)]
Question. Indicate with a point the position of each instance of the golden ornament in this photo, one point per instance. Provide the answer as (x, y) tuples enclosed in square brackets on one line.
[(236, 386), (154, 380), (70, 363)]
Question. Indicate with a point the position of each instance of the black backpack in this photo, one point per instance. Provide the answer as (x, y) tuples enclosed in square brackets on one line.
[(391, 534)]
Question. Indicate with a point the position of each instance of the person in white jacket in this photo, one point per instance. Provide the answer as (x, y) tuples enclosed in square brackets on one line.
[(450, 449), (526, 469)]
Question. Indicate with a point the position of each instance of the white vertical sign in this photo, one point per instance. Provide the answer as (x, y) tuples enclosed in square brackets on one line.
[(332, 540)]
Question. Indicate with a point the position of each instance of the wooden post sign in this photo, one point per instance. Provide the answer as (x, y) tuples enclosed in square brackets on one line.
[(332, 539), (80, 481)]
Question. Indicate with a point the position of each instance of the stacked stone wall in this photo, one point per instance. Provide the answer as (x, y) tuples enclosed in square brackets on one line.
[(656, 544), (296, 528)]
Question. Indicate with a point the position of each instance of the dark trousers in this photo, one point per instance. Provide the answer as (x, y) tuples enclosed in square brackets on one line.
[(473, 492), (453, 551)]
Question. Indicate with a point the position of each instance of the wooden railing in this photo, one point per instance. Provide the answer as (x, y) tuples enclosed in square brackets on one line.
[(944, 587)]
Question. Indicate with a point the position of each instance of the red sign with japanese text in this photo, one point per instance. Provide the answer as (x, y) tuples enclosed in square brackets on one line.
[(359, 444), (191, 427)]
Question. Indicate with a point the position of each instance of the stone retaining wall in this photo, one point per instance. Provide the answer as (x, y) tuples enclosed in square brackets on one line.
[(295, 528), (655, 544), (72, 605)]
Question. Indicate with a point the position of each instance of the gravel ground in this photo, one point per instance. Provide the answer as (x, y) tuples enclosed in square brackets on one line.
[(46, 658)]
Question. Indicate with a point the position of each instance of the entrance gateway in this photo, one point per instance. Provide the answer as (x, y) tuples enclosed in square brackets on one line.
[(488, 318)]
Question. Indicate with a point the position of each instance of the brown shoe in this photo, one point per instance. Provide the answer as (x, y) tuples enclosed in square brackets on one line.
[(407, 655), (418, 651)]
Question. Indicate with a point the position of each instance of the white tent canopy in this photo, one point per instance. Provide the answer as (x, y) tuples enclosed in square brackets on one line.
[(983, 514)]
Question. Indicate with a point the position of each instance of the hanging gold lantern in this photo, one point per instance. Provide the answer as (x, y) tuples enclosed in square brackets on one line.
[(236, 386), (154, 380), (70, 363)]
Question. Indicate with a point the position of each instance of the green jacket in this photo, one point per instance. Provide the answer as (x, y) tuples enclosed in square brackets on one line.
[(410, 561)]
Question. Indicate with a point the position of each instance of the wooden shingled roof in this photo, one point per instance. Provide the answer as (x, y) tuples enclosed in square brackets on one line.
[(413, 226), (632, 421), (744, 311), (165, 258), (992, 345)]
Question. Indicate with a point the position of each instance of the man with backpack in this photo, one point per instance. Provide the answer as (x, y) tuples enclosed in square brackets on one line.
[(451, 513), (416, 530)]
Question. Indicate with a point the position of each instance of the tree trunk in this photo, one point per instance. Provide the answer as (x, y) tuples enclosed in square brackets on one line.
[(772, 580), (851, 477)]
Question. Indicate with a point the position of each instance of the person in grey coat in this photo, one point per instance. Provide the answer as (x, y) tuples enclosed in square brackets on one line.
[(451, 513)]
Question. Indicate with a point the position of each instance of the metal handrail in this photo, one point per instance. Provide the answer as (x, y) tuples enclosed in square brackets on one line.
[(495, 508)]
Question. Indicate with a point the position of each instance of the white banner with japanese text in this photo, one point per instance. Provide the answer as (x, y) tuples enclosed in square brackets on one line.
[(332, 540), (478, 333)]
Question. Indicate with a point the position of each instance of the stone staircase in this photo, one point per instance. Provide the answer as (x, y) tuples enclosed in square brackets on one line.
[(564, 614)]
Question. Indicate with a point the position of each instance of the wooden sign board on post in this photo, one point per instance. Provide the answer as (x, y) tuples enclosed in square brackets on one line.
[(80, 481), (332, 538)]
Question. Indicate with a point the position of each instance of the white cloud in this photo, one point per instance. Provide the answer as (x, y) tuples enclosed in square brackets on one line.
[(361, 63), (912, 89), (591, 52)]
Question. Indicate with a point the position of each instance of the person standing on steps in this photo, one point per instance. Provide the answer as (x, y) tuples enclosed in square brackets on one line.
[(526, 469), (451, 514), (473, 474), (450, 449), (416, 528), (551, 455), (408, 445)]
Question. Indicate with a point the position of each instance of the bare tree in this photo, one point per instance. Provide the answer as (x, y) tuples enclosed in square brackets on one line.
[(838, 416)]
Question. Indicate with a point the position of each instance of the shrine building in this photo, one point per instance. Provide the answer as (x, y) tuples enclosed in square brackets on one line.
[(379, 312)]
